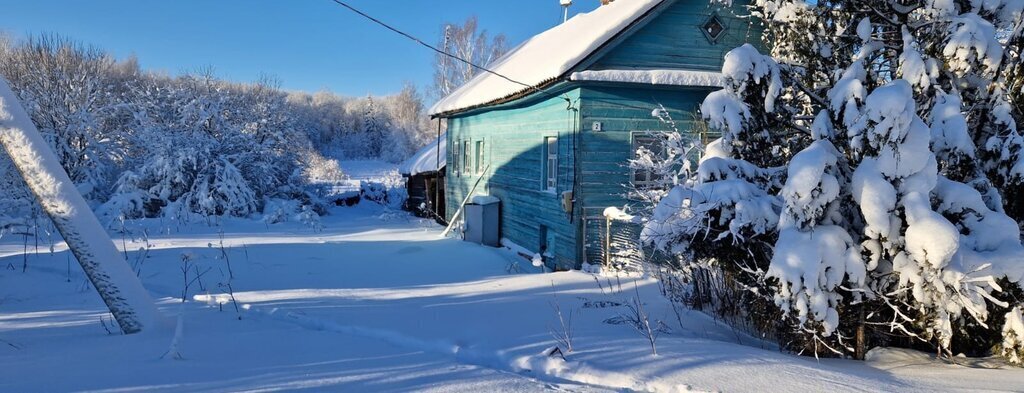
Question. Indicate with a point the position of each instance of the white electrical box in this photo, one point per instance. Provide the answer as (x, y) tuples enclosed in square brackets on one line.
[(597, 127), (482, 221)]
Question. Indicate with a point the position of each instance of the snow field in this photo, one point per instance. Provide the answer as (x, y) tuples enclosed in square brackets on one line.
[(379, 303)]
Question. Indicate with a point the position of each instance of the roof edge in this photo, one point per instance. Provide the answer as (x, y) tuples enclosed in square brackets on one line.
[(612, 41)]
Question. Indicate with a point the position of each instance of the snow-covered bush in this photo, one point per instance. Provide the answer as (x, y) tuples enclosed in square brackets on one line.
[(387, 193), (279, 210), (310, 218), (1013, 337), (16, 203), (865, 171), (665, 163)]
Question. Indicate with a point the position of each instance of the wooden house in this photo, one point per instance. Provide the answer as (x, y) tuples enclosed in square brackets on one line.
[(424, 175), (551, 131)]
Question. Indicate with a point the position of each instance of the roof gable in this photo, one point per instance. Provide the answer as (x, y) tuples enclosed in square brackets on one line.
[(547, 56), (677, 40)]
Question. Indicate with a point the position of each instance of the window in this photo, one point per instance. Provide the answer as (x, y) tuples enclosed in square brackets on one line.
[(551, 163), (652, 145), (455, 157), (713, 28), (479, 156), (467, 156)]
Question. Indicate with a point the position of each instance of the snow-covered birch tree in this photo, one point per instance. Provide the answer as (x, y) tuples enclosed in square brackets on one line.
[(469, 42)]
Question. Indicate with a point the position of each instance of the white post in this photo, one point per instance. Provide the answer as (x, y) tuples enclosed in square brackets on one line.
[(115, 281)]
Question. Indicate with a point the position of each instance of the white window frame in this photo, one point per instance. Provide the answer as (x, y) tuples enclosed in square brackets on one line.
[(550, 167), (455, 157), (480, 146), (467, 156)]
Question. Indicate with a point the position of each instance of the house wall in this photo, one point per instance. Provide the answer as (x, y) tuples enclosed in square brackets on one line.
[(672, 40), (514, 133), (604, 156), (514, 148), (675, 39)]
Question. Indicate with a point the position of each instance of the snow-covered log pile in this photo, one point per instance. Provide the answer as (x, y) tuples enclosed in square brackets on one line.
[(869, 175)]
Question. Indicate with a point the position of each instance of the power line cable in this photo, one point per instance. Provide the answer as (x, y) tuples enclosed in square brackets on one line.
[(435, 49), (471, 64)]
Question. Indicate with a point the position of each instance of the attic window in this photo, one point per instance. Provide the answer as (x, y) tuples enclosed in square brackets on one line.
[(713, 28)]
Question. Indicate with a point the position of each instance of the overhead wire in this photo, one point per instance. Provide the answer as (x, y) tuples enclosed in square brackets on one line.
[(442, 52), (467, 62), (572, 105)]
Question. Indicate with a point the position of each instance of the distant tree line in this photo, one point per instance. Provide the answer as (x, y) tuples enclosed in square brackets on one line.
[(143, 144)]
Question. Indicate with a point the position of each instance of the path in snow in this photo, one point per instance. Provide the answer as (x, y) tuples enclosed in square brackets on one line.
[(378, 302)]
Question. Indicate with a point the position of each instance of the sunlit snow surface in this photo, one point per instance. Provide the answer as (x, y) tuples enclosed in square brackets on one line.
[(377, 301)]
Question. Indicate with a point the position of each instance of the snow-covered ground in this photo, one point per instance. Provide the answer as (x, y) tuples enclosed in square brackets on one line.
[(378, 301), (369, 170)]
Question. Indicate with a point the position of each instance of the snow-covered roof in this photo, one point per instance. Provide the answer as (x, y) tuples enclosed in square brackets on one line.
[(653, 77), (546, 56), (426, 160)]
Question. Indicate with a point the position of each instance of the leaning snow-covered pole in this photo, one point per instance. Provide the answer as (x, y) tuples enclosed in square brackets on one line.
[(462, 205), (120, 289)]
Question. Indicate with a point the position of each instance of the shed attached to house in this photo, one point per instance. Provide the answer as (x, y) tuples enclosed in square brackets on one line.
[(553, 143), (424, 175)]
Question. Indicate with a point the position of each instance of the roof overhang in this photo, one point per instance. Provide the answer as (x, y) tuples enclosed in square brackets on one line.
[(589, 59)]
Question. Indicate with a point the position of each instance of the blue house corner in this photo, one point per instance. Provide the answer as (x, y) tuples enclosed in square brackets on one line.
[(553, 141)]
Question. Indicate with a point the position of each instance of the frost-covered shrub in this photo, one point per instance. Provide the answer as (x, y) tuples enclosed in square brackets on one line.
[(1012, 347), (319, 169), (310, 218), (16, 202), (386, 193), (221, 190), (276, 211)]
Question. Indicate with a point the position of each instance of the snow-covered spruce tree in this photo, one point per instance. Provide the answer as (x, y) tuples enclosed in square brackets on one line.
[(725, 216), (892, 121)]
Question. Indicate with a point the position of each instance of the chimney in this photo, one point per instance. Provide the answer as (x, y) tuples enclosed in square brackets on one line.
[(606, 2)]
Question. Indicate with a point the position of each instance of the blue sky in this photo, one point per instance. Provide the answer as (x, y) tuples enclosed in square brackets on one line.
[(307, 44)]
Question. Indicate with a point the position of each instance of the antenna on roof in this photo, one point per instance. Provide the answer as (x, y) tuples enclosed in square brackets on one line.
[(565, 9)]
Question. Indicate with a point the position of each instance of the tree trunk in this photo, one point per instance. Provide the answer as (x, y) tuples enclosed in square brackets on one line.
[(109, 273), (860, 351)]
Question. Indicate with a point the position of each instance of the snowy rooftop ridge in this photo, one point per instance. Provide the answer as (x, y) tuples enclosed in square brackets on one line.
[(546, 56), (653, 77), (426, 160)]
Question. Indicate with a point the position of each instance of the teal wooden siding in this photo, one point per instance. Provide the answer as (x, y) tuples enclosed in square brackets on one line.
[(515, 151), (674, 39), (622, 111), (514, 132)]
